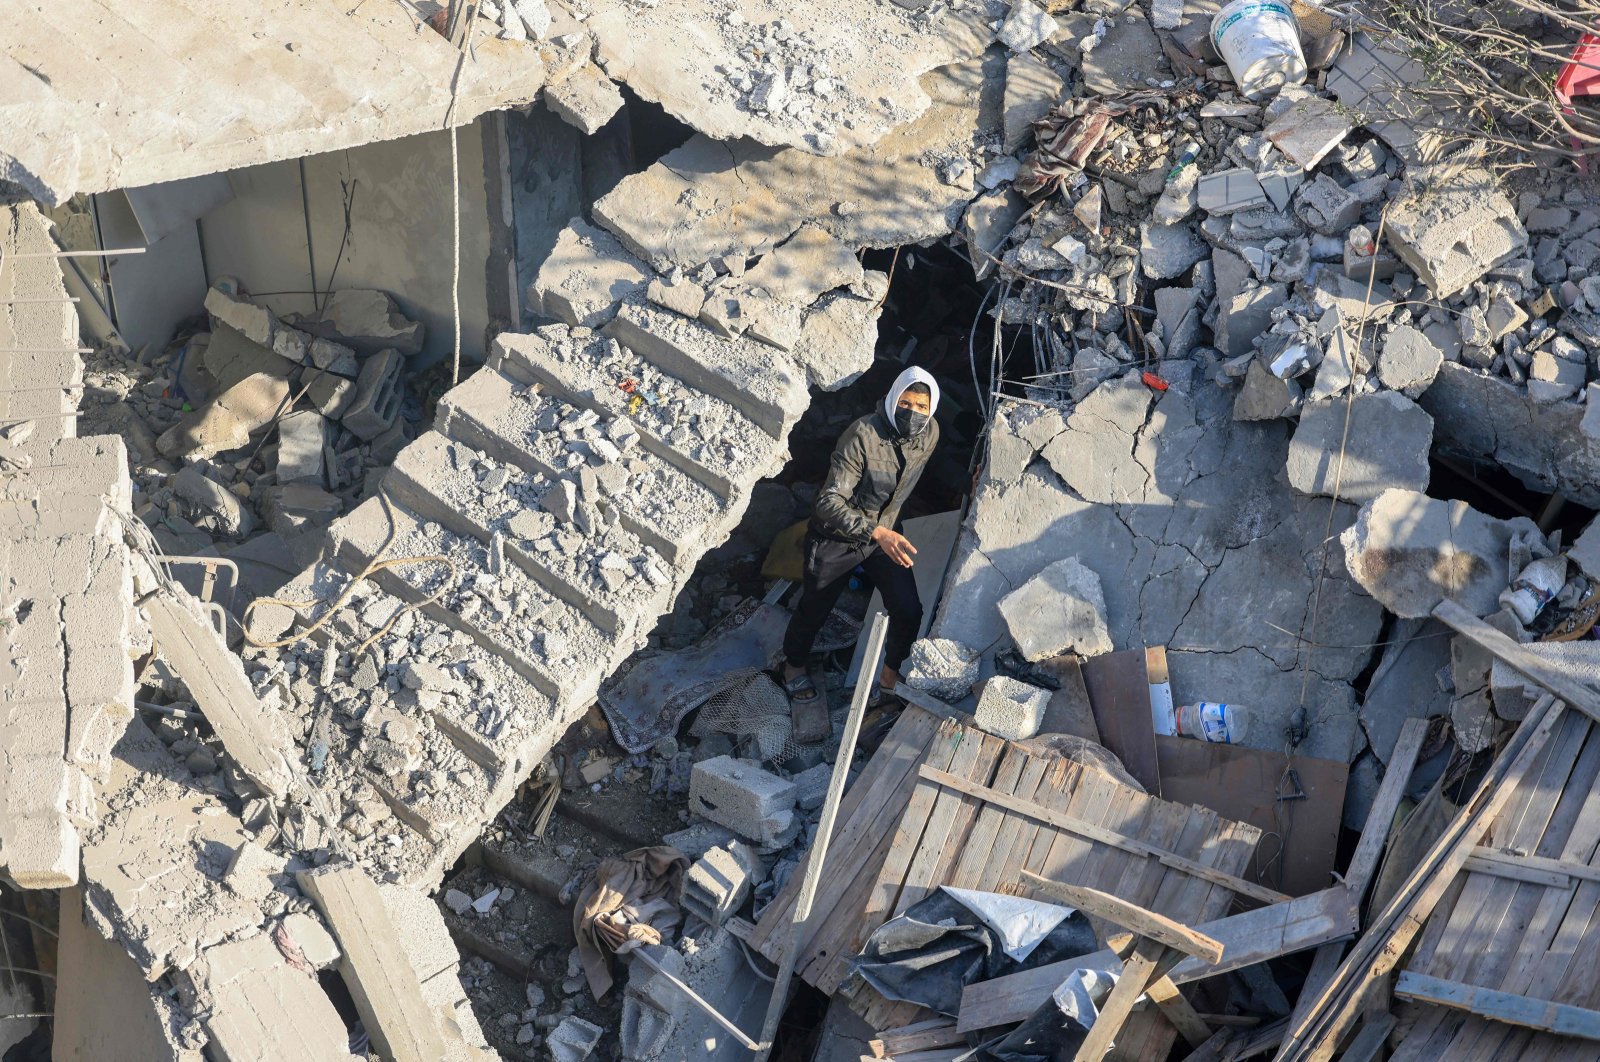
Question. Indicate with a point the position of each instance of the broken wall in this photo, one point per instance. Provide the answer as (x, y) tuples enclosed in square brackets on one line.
[(284, 233)]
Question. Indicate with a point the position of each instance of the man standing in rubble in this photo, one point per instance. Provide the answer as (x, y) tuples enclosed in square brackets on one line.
[(874, 468)]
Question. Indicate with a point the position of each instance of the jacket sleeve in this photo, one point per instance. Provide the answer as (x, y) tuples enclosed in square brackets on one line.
[(833, 507)]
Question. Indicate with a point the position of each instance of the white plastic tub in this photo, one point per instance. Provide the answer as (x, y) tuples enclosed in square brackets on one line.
[(1260, 41)]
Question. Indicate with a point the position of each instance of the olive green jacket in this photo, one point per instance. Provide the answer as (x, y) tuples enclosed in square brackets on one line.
[(871, 474)]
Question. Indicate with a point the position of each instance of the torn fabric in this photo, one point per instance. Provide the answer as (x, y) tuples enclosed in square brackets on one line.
[(632, 900)]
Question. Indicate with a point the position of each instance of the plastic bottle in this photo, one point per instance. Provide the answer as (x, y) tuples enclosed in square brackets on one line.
[(1226, 724)]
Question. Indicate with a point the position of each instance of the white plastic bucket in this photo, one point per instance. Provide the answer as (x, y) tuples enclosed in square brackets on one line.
[(1260, 41)]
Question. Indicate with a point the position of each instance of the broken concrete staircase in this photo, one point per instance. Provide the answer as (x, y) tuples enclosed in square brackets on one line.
[(524, 548)]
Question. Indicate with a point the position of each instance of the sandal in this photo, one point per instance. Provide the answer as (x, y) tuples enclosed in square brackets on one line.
[(801, 689)]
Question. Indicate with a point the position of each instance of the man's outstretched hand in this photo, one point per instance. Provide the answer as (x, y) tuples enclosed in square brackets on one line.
[(896, 546)]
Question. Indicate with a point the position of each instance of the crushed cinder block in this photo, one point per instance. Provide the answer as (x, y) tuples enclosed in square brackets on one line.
[(376, 403), (1455, 228), (944, 668), (329, 392), (1011, 709), (1410, 552), (811, 786), (718, 882), (680, 296), (250, 870), (1326, 207), (1386, 446), (694, 842), (1169, 251), (1060, 610), (740, 795), (573, 1040)]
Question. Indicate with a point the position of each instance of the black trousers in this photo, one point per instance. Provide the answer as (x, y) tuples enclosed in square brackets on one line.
[(828, 564)]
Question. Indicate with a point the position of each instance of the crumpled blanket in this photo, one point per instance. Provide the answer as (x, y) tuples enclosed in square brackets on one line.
[(632, 900)]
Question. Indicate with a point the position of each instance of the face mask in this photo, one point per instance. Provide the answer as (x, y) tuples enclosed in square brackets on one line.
[(909, 422)]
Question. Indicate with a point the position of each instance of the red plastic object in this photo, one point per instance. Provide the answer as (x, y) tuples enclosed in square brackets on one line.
[(1580, 77), (1154, 382)]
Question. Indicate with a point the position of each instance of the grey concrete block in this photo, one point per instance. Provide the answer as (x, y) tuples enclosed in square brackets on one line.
[(1062, 609), (740, 795), (378, 395), (718, 882), (302, 440), (1454, 230), (1011, 709)]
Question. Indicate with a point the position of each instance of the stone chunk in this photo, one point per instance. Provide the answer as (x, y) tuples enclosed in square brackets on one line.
[(942, 667), (1062, 609), (1246, 315), (255, 322), (230, 356), (1011, 709), (740, 795), (330, 393), (1409, 361), (1552, 377), (809, 263), (378, 396), (1410, 552), (1264, 396), (302, 439), (226, 424), (1386, 447), (231, 516), (587, 99), (1168, 251), (366, 321), (987, 223), (1327, 208), (1026, 27), (1032, 89), (685, 297), (261, 1007), (1454, 230), (718, 882), (314, 942), (587, 274)]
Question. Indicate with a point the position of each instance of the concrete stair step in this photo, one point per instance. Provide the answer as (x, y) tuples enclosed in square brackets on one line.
[(671, 511), (759, 379), (548, 641), (704, 436), (605, 571)]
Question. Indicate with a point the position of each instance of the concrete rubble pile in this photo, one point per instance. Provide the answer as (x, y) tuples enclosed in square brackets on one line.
[(1260, 324)]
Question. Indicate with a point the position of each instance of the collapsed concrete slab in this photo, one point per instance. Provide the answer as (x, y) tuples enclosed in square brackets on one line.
[(825, 81), (1200, 543), (1488, 418), (1361, 446), (1411, 552), (709, 199), (334, 82), (585, 278)]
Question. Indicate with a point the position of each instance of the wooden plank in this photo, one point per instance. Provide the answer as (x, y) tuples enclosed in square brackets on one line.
[(1369, 1041), (1140, 969), (1516, 870), (1389, 936), (1566, 685), (886, 774), (1251, 937), (1505, 1007), (1184, 1018), (1014, 840), (1242, 783), (953, 794), (963, 833), (923, 1036), (1565, 868), (1119, 694), (1380, 818), (1131, 917), (1104, 836)]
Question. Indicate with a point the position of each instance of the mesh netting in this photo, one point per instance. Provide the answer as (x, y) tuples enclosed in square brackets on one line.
[(753, 710)]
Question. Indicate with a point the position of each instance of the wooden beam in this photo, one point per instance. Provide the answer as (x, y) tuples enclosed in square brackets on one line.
[(1129, 916), (1247, 938), (1327, 1018), (931, 705), (1366, 1044), (1504, 868), (1101, 834), (1179, 1011), (1506, 1007), (1563, 684)]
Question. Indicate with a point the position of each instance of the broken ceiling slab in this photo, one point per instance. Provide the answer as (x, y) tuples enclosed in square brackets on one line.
[(708, 199), (824, 79), (1411, 552), (263, 1008), (303, 78), (1375, 442), (1208, 565), (586, 98)]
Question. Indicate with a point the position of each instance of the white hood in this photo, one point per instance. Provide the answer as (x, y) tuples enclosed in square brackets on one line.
[(906, 379)]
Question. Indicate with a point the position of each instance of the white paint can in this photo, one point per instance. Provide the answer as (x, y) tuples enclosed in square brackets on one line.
[(1260, 41)]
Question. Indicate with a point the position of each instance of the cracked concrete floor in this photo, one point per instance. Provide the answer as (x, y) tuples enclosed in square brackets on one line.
[(1200, 544)]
